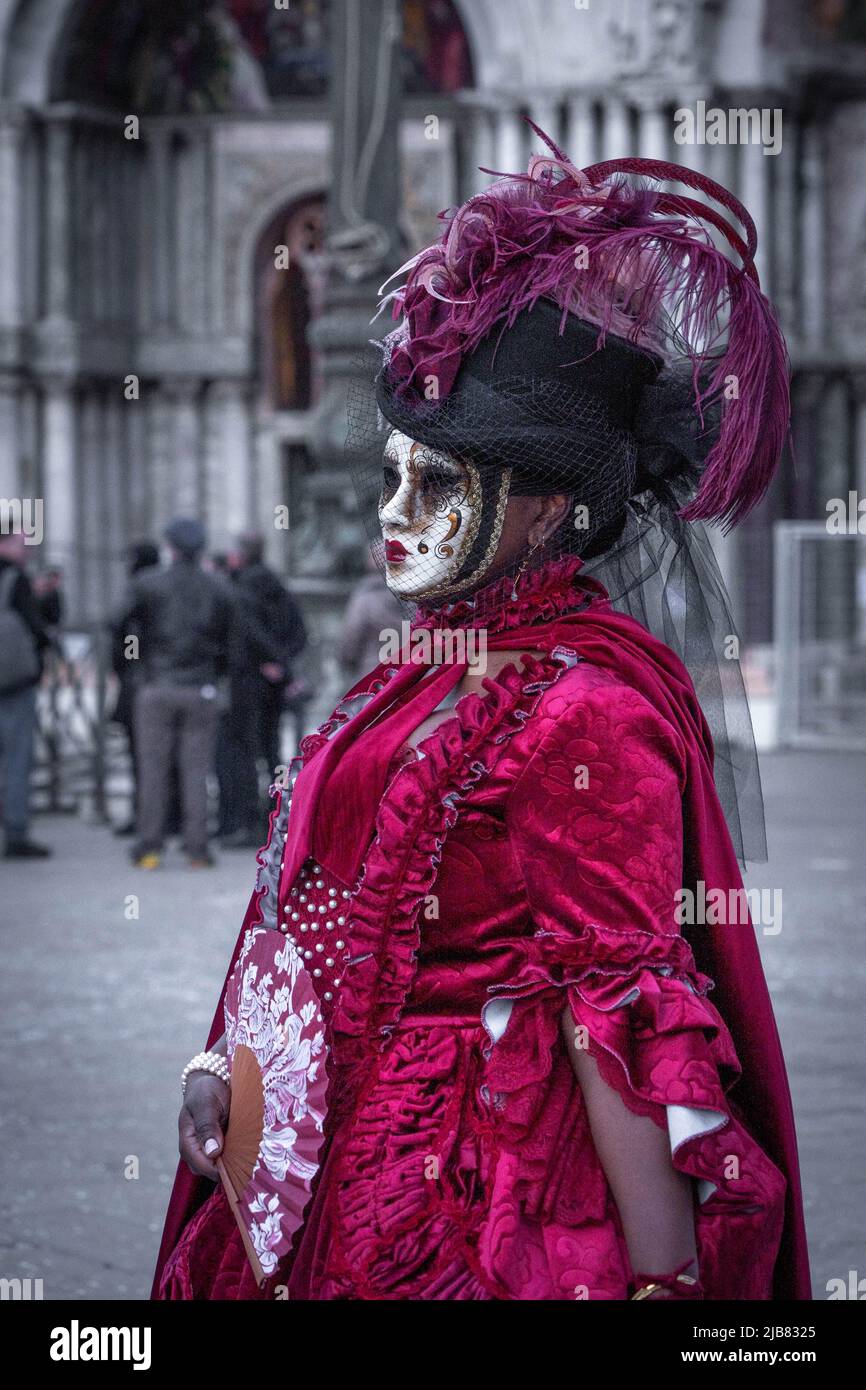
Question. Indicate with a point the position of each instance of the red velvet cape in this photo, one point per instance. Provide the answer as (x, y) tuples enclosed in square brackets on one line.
[(335, 802)]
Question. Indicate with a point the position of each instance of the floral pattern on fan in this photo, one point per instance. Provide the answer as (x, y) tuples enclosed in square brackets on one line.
[(272, 1010)]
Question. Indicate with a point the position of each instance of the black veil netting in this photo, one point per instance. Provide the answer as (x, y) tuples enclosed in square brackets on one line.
[(629, 467)]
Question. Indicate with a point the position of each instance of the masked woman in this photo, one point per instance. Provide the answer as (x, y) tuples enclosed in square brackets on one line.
[(546, 1069)]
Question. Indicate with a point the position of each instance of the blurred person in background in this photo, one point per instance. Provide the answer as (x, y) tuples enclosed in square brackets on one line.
[(48, 588), (142, 555), (371, 610), (184, 619), (24, 639), (218, 564), (250, 727)]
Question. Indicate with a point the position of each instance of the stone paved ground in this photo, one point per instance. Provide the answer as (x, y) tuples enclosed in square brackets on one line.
[(98, 1014)]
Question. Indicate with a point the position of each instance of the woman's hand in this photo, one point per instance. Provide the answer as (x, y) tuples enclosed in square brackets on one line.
[(202, 1122)]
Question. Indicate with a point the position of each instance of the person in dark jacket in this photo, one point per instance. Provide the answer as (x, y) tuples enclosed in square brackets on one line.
[(19, 679), (142, 555), (251, 725), (187, 621)]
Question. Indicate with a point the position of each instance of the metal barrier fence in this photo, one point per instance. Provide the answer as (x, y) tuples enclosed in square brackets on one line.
[(82, 760), (820, 641)]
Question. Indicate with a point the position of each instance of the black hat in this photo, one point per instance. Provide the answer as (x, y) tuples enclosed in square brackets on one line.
[(186, 534)]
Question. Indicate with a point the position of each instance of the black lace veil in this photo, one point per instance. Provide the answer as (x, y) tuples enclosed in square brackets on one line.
[(656, 567)]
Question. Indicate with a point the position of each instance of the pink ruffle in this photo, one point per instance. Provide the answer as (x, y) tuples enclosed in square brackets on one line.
[(539, 596), (403, 861), (659, 1042), (670, 1046)]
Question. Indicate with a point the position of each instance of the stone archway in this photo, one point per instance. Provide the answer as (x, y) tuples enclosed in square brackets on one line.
[(288, 285), (284, 280), (283, 51), (31, 34)]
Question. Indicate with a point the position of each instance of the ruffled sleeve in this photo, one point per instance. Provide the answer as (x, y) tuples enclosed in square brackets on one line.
[(596, 821)]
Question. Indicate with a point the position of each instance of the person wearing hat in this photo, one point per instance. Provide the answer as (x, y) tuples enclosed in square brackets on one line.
[(552, 1072), (179, 619)]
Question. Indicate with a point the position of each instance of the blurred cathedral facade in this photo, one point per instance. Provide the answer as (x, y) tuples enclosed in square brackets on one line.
[(157, 357)]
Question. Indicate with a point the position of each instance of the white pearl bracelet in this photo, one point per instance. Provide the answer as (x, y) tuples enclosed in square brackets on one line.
[(212, 1062)]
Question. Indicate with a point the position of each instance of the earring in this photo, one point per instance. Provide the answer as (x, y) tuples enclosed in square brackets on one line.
[(522, 570)]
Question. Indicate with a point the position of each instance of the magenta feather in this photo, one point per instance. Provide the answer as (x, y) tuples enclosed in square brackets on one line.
[(631, 258)]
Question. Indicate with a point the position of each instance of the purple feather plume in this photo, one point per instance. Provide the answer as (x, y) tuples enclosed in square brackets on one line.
[(631, 258)]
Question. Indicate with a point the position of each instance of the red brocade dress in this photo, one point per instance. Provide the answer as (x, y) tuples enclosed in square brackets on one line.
[(524, 860)]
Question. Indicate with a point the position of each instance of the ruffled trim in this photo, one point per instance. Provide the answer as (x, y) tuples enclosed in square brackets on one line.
[(535, 597), (644, 1015), (421, 806), (635, 993)]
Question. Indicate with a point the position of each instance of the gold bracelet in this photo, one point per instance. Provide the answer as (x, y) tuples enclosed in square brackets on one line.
[(646, 1289)]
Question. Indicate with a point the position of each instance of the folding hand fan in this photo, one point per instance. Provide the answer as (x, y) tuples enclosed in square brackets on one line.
[(276, 1048)]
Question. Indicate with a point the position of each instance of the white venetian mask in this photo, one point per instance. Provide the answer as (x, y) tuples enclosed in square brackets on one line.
[(430, 512)]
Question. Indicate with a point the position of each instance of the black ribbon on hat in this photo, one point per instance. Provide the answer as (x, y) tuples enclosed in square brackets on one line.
[(673, 436)]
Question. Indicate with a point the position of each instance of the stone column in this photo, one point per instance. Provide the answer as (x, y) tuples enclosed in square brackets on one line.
[(61, 484), (721, 164), (544, 110), (228, 482), (94, 222), (238, 463), (29, 415), (116, 496), (270, 492), (160, 459), (785, 211), (654, 133), (134, 417), (183, 397), (813, 228), (691, 155), (215, 289), (116, 232), (215, 500), (58, 229), (92, 513), (131, 235), (859, 624), (580, 131), (509, 139), (162, 250), (480, 150), (834, 475), (12, 482), (12, 230), (615, 132), (117, 249), (192, 221)]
